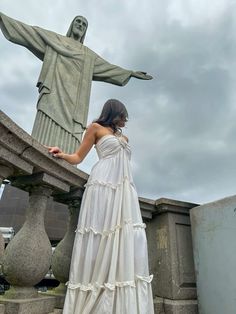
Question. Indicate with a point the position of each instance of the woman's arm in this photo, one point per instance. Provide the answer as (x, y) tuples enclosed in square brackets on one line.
[(77, 157)]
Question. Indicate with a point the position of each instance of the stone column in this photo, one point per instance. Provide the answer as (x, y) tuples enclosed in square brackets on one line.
[(62, 255), (2, 247), (5, 172), (27, 259), (171, 258), (10, 163), (28, 256), (61, 258)]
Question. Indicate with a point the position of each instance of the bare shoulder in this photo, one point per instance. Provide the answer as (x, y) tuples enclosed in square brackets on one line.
[(126, 138), (93, 126)]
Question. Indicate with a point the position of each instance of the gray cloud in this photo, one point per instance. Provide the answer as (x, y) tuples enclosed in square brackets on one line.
[(182, 123)]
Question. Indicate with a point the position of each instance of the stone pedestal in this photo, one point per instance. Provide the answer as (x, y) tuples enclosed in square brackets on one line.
[(171, 257), (39, 305)]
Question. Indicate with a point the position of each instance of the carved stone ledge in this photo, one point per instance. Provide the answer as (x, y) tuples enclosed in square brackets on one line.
[(147, 207), (17, 141), (164, 205), (12, 164), (27, 182)]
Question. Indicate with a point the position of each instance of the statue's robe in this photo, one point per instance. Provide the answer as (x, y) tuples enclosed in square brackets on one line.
[(64, 83)]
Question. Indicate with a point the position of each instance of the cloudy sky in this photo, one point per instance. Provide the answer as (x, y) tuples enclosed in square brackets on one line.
[(182, 126)]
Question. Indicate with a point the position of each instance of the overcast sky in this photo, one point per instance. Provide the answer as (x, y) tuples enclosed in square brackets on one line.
[(182, 126)]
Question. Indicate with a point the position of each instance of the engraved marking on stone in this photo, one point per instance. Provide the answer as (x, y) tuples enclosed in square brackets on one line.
[(162, 238)]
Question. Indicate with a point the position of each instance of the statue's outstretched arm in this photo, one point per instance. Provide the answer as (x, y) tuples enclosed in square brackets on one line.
[(110, 73), (22, 34)]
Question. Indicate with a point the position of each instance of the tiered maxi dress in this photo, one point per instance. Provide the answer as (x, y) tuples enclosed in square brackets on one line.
[(109, 268)]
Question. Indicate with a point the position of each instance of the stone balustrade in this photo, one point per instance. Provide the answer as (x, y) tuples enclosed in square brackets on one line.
[(28, 256)]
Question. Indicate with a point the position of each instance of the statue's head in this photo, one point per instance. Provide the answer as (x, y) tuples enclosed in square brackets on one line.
[(78, 28)]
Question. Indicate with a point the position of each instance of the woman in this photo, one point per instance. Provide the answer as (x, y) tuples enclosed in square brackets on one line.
[(109, 267)]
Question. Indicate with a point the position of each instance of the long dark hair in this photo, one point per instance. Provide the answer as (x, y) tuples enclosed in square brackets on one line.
[(112, 112)]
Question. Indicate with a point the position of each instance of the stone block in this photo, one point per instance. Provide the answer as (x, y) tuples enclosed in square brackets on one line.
[(14, 138), (39, 305), (59, 298), (180, 306), (40, 178), (10, 159), (148, 207), (158, 306), (2, 309)]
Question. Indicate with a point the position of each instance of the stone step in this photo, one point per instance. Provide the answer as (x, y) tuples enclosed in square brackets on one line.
[(39, 305), (56, 311)]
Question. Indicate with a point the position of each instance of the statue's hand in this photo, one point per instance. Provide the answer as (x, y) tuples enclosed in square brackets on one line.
[(142, 75)]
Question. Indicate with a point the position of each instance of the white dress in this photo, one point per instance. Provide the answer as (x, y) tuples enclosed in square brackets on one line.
[(109, 268)]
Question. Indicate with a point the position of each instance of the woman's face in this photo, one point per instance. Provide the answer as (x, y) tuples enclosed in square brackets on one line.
[(121, 122)]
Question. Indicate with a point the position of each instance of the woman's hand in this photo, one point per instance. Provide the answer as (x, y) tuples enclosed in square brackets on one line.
[(55, 151), (58, 153), (78, 156)]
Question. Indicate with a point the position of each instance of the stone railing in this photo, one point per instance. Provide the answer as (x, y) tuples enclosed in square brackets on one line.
[(28, 256)]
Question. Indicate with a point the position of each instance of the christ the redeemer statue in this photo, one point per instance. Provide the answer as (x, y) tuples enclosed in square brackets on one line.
[(64, 84)]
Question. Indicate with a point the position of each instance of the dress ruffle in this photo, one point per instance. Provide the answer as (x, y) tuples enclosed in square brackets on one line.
[(110, 286), (110, 231), (109, 184)]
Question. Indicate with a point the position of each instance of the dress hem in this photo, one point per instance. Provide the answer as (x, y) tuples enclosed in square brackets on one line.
[(110, 286)]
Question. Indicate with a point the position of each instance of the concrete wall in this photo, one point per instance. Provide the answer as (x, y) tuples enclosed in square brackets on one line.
[(214, 234)]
